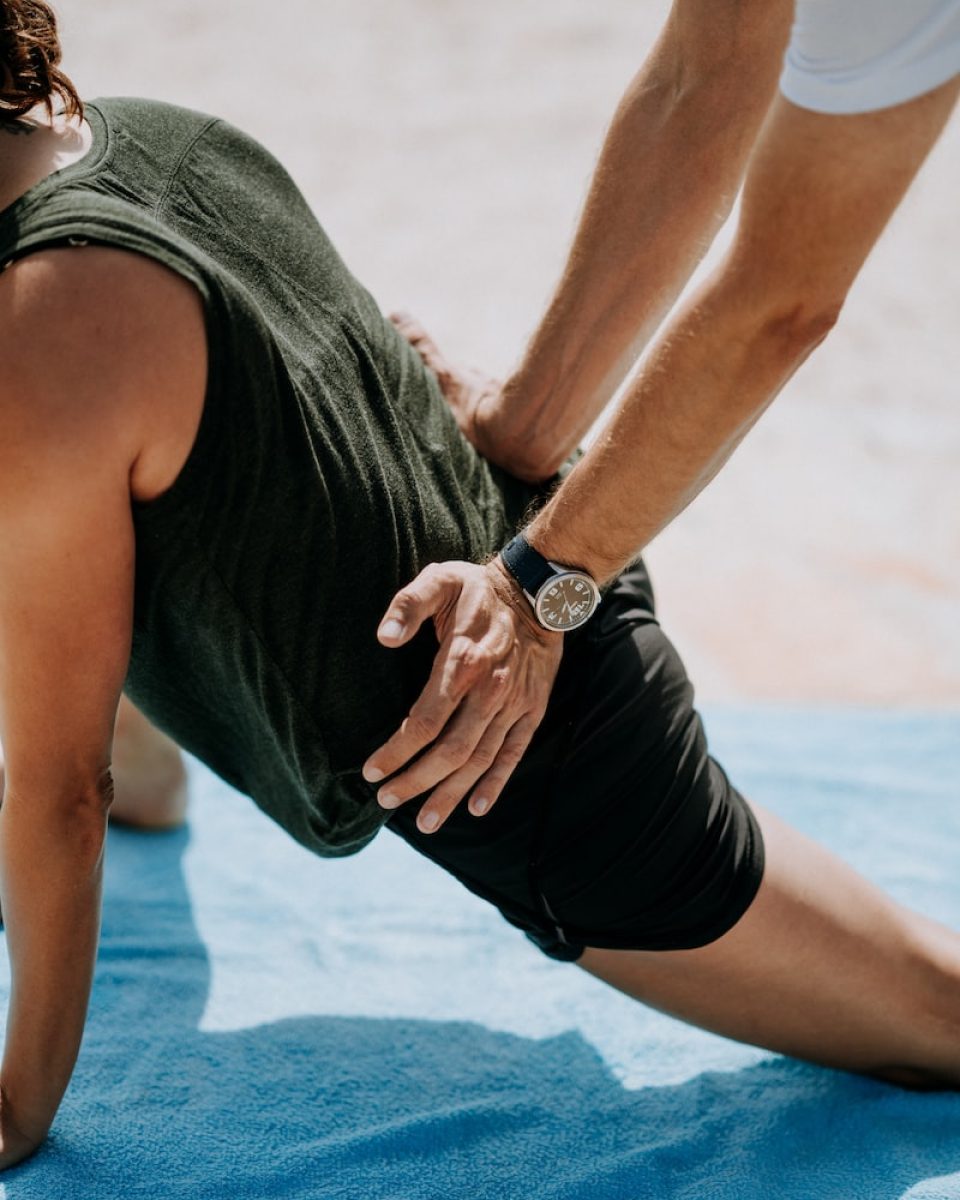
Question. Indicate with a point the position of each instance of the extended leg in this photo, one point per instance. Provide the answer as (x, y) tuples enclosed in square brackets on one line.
[(823, 966)]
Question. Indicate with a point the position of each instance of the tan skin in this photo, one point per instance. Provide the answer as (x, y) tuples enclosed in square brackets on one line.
[(817, 194), (104, 409), (147, 768)]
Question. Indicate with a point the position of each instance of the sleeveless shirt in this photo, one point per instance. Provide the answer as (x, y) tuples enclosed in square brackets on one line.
[(326, 473)]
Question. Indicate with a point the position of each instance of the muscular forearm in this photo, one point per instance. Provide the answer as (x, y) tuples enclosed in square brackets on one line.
[(50, 881), (706, 381), (669, 168), (807, 224)]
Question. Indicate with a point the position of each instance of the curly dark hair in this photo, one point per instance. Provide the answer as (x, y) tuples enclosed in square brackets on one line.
[(29, 61)]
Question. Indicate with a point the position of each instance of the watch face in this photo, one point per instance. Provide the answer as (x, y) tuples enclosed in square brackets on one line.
[(566, 601)]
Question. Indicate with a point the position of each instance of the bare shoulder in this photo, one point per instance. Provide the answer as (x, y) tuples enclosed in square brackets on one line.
[(97, 344)]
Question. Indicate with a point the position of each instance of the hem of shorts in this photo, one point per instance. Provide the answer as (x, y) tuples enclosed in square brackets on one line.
[(576, 941), (838, 98)]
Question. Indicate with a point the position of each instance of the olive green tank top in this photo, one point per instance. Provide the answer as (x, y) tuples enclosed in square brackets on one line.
[(327, 471)]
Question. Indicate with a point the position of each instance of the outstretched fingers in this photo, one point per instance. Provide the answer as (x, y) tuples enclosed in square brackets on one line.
[(487, 790), (437, 719), (452, 788), (486, 694)]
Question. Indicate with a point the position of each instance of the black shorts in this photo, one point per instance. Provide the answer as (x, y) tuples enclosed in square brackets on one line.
[(617, 830)]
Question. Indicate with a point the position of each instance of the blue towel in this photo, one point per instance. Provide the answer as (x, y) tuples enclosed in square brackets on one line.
[(265, 1024)]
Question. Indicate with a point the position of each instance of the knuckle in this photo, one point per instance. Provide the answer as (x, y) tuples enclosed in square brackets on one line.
[(511, 755), (489, 704), (466, 658), (500, 679), (406, 599), (483, 757), (504, 622), (445, 797), (421, 728), (446, 574), (455, 750), (444, 801)]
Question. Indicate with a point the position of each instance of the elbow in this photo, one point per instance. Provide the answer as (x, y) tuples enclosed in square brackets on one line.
[(773, 296), (78, 819), (100, 794), (87, 807), (81, 805), (782, 319), (796, 328), (89, 798)]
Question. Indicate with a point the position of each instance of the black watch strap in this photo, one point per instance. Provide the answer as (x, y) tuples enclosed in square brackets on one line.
[(528, 567)]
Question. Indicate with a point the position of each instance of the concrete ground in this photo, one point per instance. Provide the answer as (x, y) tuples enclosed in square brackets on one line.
[(446, 147)]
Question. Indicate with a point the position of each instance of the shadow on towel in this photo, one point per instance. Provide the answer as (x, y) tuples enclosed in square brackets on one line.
[(370, 1108)]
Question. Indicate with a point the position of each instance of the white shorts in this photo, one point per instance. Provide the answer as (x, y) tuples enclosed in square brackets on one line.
[(852, 56)]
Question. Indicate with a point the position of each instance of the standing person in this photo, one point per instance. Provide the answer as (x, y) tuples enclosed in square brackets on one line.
[(865, 88), (219, 461)]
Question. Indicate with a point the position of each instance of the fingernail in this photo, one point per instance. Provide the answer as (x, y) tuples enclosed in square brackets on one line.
[(429, 821), (479, 806), (372, 774), (391, 629), (388, 800)]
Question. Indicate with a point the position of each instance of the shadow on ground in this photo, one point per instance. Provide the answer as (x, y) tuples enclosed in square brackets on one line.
[(338, 1107)]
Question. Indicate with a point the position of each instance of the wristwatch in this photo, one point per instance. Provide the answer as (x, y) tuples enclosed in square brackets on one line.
[(563, 598)]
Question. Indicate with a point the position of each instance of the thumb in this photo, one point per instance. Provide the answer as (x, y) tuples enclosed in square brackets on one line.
[(412, 605)]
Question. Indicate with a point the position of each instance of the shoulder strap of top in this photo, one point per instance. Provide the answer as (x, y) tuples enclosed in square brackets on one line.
[(74, 207)]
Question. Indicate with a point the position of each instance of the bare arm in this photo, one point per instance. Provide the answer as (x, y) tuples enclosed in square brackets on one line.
[(669, 168), (667, 175), (68, 407), (817, 195), (819, 191)]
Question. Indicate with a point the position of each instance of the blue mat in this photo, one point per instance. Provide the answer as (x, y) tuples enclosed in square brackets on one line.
[(266, 1025)]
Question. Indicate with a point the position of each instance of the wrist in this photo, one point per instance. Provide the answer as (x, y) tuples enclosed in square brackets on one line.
[(506, 433), (512, 594), (16, 1141), (563, 597), (554, 533)]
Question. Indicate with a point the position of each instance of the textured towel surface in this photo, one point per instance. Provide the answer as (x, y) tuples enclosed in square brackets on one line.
[(266, 1024)]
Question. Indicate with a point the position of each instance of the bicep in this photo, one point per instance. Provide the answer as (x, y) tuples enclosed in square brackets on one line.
[(89, 354)]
